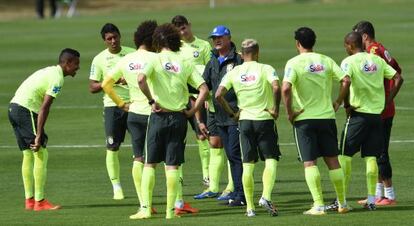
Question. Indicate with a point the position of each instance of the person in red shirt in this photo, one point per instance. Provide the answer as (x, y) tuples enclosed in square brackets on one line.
[(384, 192)]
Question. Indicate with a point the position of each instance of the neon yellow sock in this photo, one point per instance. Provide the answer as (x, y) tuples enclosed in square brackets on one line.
[(112, 165), (248, 184), (40, 173), (230, 184), (215, 168), (346, 165), (204, 152), (179, 189), (269, 178), (27, 173), (172, 185), (338, 180), (137, 168), (313, 179), (372, 174), (147, 187)]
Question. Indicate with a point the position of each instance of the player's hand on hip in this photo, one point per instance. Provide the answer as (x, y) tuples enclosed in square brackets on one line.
[(291, 117), (126, 107), (273, 113), (203, 129), (156, 107), (189, 113), (36, 144)]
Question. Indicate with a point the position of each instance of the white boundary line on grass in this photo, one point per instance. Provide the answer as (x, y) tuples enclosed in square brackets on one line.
[(128, 145)]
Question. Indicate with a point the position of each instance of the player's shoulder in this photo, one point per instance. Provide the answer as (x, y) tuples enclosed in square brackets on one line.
[(100, 56), (127, 50)]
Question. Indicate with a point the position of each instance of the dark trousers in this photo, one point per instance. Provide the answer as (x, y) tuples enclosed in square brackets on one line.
[(40, 8), (384, 164), (230, 138)]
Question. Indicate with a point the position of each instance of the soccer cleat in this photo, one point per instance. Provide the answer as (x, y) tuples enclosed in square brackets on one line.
[(344, 209), (316, 211), (268, 205), (206, 194), (206, 182), (364, 201), (386, 202), (44, 205), (370, 206), (186, 209), (333, 206), (118, 194), (143, 213), (236, 203), (29, 203), (226, 195), (250, 213)]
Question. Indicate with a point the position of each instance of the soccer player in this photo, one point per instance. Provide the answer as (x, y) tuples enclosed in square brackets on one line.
[(258, 97), (164, 82), (129, 67), (196, 51), (115, 119), (224, 58), (28, 112), (384, 190), (363, 129), (307, 87)]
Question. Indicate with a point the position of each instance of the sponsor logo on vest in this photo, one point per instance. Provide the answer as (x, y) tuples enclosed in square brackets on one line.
[(171, 67), (370, 67), (246, 78), (316, 68), (136, 66)]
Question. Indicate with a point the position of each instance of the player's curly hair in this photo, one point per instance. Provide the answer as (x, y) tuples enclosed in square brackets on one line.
[(144, 32), (166, 36), (306, 37)]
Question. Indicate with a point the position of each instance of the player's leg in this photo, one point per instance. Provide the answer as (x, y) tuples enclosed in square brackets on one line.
[(385, 169), (266, 132), (115, 127), (21, 121)]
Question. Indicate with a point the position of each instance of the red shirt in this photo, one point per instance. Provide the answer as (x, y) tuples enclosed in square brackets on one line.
[(378, 49)]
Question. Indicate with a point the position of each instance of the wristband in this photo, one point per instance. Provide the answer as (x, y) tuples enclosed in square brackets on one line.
[(151, 102)]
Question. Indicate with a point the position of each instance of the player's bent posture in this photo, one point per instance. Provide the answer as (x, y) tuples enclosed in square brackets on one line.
[(138, 109), (363, 129), (307, 86), (258, 97), (115, 119), (164, 83), (384, 193), (28, 112)]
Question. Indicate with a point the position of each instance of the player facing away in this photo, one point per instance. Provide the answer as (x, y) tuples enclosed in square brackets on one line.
[(384, 193), (223, 129), (115, 119), (363, 128), (164, 82), (138, 109), (196, 51), (28, 112), (258, 97), (306, 91)]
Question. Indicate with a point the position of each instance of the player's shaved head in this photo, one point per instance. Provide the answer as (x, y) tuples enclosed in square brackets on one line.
[(166, 36), (67, 55), (354, 39), (306, 37), (249, 46), (144, 32)]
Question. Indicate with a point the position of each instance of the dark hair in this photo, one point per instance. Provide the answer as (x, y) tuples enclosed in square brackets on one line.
[(354, 39), (364, 27), (143, 34), (166, 36), (109, 28), (306, 37), (68, 54), (179, 21)]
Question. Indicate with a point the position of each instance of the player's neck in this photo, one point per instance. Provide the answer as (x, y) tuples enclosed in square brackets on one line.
[(190, 39), (303, 50), (115, 51)]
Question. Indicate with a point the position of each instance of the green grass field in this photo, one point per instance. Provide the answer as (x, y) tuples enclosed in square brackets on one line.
[(77, 177)]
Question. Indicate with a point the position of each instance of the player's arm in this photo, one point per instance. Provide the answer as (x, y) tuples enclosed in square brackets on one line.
[(276, 98), (287, 100), (41, 121), (94, 86), (398, 81), (143, 85), (203, 92), (343, 92), (220, 93), (107, 87)]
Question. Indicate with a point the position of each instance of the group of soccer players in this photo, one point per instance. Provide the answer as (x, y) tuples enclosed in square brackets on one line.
[(232, 102)]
